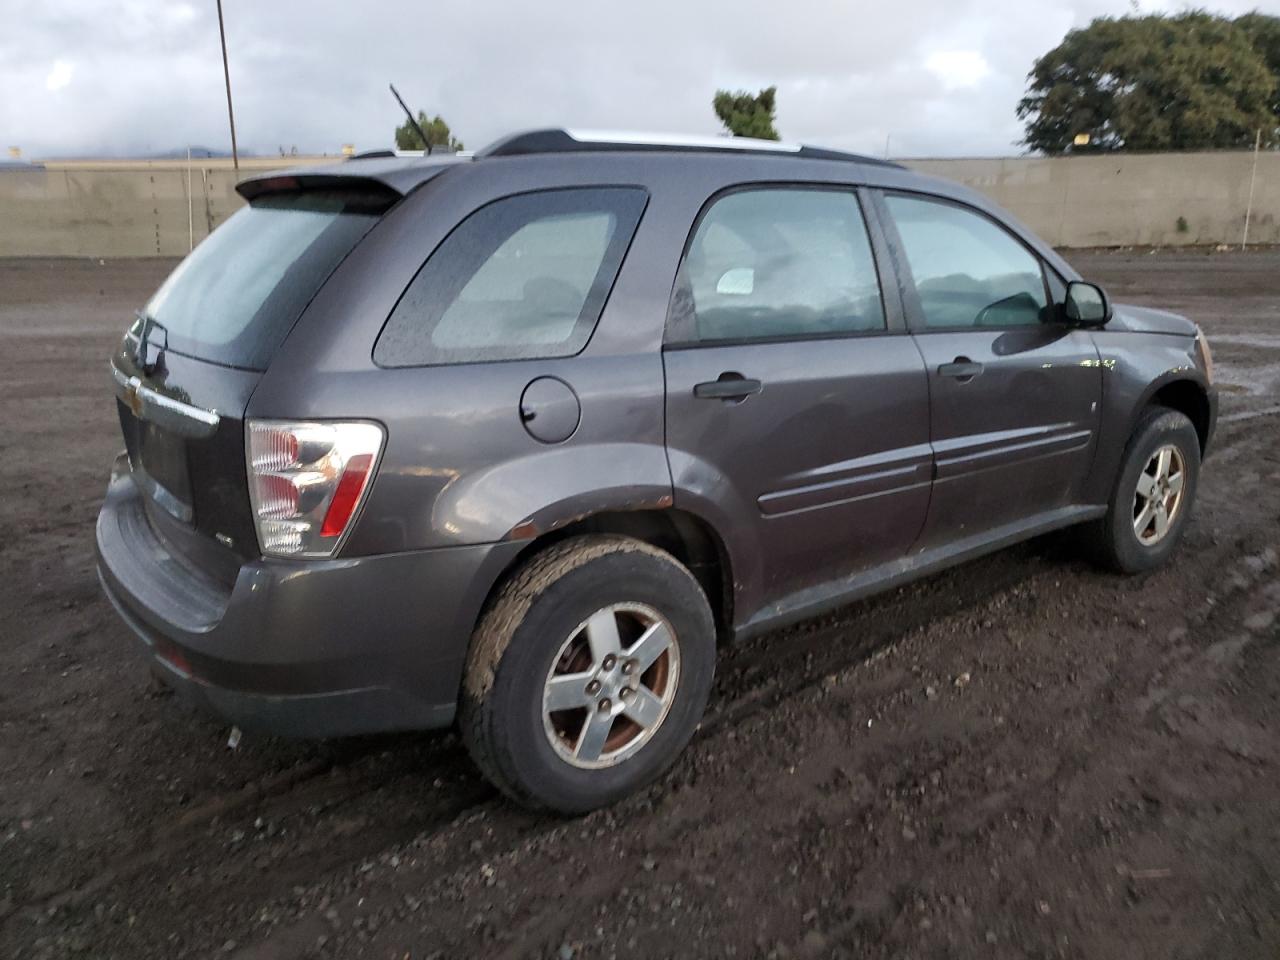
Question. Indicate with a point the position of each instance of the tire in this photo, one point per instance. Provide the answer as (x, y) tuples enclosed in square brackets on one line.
[(553, 614), (1116, 541)]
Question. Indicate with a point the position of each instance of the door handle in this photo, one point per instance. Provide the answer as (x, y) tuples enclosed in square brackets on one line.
[(730, 386), (962, 368)]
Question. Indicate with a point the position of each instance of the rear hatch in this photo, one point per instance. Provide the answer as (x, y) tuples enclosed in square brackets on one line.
[(189, 363)]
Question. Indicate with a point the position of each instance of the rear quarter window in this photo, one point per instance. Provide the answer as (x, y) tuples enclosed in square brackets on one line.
[(523, 277)]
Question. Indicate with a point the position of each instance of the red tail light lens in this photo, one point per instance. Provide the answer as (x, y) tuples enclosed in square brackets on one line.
[(307, 481), (347, 497)]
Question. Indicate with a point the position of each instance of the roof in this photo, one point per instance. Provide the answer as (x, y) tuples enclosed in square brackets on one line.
[(403, 171)]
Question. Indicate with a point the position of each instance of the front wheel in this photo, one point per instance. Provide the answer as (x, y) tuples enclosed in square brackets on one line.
[(588, 673), (1154, 492)]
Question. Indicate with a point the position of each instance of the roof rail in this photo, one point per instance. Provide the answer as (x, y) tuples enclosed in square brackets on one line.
[(556, 140), (410, 154)]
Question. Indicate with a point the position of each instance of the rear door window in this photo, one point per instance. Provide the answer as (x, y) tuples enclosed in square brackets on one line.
[(523, 277), (777, 263), (235, 298)]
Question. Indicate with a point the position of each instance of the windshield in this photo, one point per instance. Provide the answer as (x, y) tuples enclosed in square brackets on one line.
[(235, 298)]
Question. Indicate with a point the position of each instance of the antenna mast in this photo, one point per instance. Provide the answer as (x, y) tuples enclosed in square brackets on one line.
[(426, 145), (226, 75)]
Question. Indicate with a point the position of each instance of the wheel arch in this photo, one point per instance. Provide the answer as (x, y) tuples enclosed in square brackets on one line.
[(689, 538), (1189, 397)]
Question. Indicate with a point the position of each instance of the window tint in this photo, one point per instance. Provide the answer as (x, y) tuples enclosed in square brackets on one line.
[(522, 277), (968, 271), (233, 300), (778, 263)]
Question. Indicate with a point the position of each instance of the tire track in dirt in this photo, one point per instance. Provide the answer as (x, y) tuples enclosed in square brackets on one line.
[(202, 888), (809, 655), (543, 930), (1234, 590), (663, 837), (804, 682), (752, 683)]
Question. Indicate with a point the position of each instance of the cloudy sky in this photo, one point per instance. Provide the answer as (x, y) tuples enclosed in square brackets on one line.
[(120, 77)]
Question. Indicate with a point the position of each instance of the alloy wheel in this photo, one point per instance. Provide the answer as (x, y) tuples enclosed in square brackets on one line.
[(1158, 498), (611, 685)]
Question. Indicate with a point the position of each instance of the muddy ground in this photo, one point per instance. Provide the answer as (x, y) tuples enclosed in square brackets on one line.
[(1024, 757)]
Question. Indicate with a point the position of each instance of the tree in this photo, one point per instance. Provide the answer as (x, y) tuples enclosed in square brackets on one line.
[(437, 131), (1264, 33), (746, 116), (1189, 82)]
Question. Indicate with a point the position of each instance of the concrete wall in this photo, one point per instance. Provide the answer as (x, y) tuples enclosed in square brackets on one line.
[(120, 208), (1122, 200), (140, 209)]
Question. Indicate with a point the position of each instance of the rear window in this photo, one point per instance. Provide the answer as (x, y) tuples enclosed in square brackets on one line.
[(522, 277), (235, 298)]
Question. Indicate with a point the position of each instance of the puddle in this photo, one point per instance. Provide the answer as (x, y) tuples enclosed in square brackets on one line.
[(1268, 340), (1249, 414), (1257, 381)]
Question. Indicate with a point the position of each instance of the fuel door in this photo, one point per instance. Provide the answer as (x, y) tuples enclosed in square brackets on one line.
[(549, 410)]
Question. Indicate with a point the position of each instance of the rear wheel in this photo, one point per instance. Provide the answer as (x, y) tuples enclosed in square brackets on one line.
[(1153, 495), (588, 673)]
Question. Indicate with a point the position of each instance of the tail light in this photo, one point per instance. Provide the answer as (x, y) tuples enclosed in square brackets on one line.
[(307, 481)]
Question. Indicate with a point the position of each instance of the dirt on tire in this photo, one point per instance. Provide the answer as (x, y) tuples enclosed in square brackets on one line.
[(1023, 757)]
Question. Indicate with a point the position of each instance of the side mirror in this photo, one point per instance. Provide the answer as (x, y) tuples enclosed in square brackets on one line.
[(1086, 305)]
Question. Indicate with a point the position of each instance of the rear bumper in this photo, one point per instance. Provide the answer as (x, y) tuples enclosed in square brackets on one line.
[(301, 648)]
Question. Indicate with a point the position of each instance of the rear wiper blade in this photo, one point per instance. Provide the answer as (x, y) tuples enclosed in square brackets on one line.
[(149, 322), (142, 357)]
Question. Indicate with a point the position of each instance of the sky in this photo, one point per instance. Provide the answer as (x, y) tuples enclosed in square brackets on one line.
[(92, 78)]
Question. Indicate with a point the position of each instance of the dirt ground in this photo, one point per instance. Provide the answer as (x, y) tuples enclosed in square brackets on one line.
[(1024, 757)]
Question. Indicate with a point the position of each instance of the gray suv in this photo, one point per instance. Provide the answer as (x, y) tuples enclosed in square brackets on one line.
[(513, 441)]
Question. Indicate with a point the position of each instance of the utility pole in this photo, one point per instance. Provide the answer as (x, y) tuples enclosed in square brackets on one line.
[(1248, 211), (191, 229), (226, 74)]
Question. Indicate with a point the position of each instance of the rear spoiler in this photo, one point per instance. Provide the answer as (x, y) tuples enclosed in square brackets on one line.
[(385, 179), (256, 187)]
